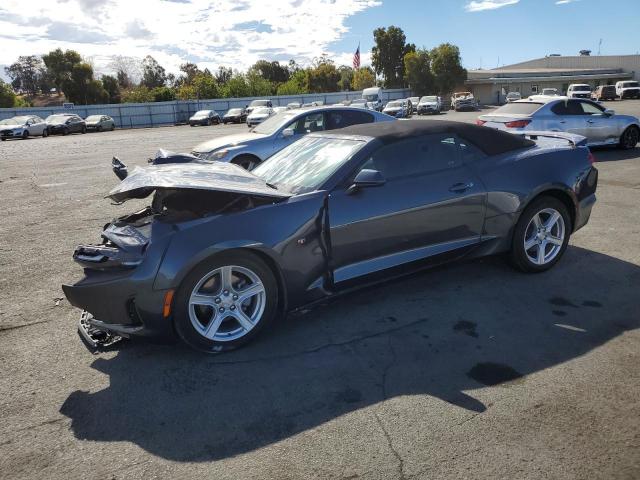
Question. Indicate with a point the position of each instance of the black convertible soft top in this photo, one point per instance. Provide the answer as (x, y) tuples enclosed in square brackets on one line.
[(489, 140)]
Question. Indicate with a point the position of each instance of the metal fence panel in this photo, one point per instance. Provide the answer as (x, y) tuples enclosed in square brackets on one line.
[(141, 115)]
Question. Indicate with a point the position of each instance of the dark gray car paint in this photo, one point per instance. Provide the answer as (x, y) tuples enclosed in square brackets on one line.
[(320, 242)]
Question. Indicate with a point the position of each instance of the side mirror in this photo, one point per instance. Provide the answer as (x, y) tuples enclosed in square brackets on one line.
[(288, 132), (609, 113), (366, 178)]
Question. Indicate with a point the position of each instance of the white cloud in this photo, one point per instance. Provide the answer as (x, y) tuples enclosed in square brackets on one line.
[(233, 33), (564, 2), (481, 5)]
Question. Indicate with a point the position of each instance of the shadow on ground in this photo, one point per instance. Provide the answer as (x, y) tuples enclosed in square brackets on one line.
[(438, 333), (614, 154)]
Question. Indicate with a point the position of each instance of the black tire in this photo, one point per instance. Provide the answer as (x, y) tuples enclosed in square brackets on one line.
[(2, 139), (113, 127), (208, 124), (25, 135), (84, 130), (45, 133), (182, 320), (518, 256), (99, 128), (629, 138), (248, 162), (65, 131)]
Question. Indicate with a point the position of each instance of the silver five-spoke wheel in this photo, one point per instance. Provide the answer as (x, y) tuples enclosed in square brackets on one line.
[(544, 236), (227, 303)]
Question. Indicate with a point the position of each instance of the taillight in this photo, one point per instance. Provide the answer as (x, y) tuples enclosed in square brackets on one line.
[(591, 158), (480, 122), (517, 124)]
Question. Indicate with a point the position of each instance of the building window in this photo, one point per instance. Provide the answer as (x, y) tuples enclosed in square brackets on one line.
[(534, 88)]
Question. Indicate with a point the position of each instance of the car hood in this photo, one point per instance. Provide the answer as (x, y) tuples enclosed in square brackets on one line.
[(12, 126), (392, 109), (227, 141), (211, 176)]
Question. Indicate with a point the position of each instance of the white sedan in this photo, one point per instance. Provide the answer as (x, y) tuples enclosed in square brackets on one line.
[(24, 126), (259, 115)]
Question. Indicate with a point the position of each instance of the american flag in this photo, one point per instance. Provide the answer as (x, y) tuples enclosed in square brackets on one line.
[(356, 59)]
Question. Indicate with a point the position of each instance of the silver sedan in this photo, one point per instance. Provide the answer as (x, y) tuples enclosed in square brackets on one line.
[(276, 132), (561, 114), (23, 127)]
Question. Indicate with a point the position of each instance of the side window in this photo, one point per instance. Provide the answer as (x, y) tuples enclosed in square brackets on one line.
[(469, 153), (590, 108), (568, 107), (416, 156), (345, 118), (314, 122)]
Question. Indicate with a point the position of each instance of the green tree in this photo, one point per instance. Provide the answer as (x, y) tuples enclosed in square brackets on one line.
[(387, 56), (153, 74), (112, 87), (186, 92), (60, 65), (271, 71), (346, 78), (363, 78), (139, 94), (7, 96), (236, 87), (224, 75), (446, 67), (205, 85), (163, 94), (27, 74), (296, 85), (257, 86), (80, 87), (190, 71), (323, 76), (418, 72)]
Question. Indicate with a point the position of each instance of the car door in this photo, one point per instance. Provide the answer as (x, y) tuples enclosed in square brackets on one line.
[(568, 116), (311, 122), (431, 204), (600, 128), (37, 127)]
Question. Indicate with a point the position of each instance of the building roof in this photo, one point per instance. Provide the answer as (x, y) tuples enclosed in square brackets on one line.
[(489, 140)]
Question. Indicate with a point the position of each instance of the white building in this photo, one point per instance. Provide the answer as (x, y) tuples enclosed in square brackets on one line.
[(491, 86)]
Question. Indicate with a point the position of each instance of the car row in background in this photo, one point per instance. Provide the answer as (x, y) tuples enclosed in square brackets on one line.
[(581, 116), (25, 126)]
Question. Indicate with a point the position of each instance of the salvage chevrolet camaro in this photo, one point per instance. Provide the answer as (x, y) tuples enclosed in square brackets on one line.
[(222, 252)]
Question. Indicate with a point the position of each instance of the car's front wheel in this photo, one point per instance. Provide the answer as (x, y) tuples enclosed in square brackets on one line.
[(541, 235), (225, 302), (629, 137), (248, 162), (45, 133), (25, 135)]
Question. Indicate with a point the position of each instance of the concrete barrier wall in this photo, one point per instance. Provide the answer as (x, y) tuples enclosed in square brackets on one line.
[(141, 115)]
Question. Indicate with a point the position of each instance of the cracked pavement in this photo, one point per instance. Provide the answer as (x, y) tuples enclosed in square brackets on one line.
[(470, 370)]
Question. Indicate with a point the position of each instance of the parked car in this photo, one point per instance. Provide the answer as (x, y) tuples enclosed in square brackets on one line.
[(579, 90), (463, 101), (251, 148), (23, 126), (261, 103), (222, 253), (550, 92), (99, 123), (578, 116), (361, 103), (235, 115), (373, 96), (65, 123), (259, 115), (414, 104), (398, 108), (429, 104), (204, 118), (604, 92), (628, 89), (513, 96), (292, 105)]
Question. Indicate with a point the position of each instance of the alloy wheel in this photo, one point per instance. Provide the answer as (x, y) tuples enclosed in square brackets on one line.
[(544, 236), (631, 137), (227, 303)]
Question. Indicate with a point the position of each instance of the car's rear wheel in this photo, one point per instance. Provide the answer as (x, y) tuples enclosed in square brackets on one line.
[(629, 137), (225, 302), (248, 162), (541, 235), (45, 133)]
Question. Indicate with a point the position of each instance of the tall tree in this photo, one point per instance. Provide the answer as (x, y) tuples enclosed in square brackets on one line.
[(271, 71), (127, 70), (80, 87), (296, 85), (236, 87), (190, 71), (323, 76), (446, 67), (346, 78), (110, 84), (224, 75), (363, 78), (7, 96), (27, 74), (387, 56), (153, 74), (60, 65), (417, 66)]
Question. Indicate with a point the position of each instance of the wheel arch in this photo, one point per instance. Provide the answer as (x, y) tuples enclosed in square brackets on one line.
[(560, 194), (246, 154)]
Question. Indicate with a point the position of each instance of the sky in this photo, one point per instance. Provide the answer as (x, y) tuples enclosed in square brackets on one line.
[(236, 33)]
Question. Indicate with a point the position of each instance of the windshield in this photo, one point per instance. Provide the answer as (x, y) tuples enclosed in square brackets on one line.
[(429, 99), (7, 121), (259, 103), (581, 88), (306, 164), (202, 113), (394, 104), (630, 84), (519, 108), (93, 118), (549, 91), (57, 118), (371, 98), (234, 111), (19, 120), (272, 124)]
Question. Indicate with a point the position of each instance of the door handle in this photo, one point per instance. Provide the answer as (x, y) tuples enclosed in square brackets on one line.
[(460, 187), (589, 121), (562, 121)]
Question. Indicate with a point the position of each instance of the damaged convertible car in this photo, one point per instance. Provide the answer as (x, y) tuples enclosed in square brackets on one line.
[(221, 252)]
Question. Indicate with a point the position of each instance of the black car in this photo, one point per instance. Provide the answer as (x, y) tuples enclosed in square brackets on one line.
[(235, 115), (204, 118), (221, 252), (65, 124)]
